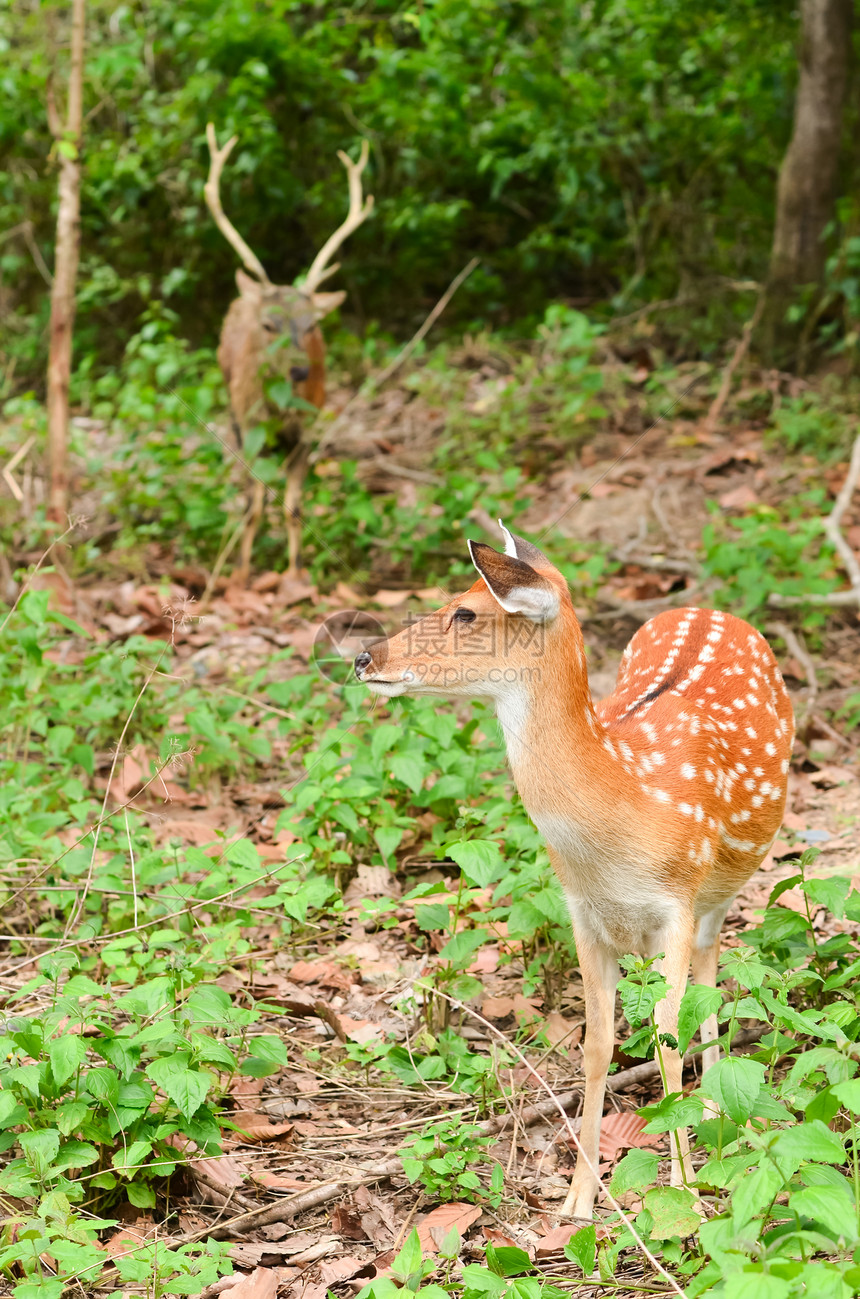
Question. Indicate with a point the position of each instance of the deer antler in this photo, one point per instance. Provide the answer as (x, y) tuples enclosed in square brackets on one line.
[(211, 191), (358, 212)]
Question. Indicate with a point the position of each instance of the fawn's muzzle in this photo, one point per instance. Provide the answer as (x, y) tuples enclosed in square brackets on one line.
[(362, 661)]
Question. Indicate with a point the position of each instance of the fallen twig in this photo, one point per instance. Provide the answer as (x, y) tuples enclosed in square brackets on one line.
[(741, 349), (804, 658), (832, 525)]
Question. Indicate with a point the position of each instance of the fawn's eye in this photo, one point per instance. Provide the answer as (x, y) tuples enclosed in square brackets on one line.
[(464, 615)]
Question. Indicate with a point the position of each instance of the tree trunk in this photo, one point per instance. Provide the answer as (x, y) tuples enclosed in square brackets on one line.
[(807, 178), (66, 254)]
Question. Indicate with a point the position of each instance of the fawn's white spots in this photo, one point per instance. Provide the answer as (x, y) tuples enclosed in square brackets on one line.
[(688, 771)]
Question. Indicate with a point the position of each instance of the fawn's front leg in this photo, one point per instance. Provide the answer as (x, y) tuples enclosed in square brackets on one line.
[(676, 942), (599, 976)]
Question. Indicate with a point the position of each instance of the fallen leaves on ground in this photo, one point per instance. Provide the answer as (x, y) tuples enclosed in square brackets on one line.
[(262, 1283), (618, 1132), (252, 1126), (433, 1229)]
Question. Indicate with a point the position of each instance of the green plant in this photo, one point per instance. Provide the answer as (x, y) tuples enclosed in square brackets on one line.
[(443, 1159), (766, 552)]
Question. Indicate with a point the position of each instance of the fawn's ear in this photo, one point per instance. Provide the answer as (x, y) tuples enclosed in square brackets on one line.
[(248, 287), (326, 302), (514, 584), (519, 548)]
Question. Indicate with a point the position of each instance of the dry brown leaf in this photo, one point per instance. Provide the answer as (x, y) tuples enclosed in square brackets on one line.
[(557, 1237), (132, 775), (739, 498), (125, 1239), (486, 962), (497, 1007), (433, 1229), (497, 1237), (831, 776), (391, 599), (561, 1031), (242, 1085), (359, 1030), (262, 1283), (526, 1009), (259, 1127), (277, 1182), (621, 1131), (325, 973)]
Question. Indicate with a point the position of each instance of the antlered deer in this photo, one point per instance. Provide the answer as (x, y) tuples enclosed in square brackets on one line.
[(267, 329), (657, 804)]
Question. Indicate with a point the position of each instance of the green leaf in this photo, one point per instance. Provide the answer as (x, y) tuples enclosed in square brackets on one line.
[(186, 1087), (672, 1212), (409, 1259), (755, 1285), (450, 1246), (734, 1083), (75, 1154), (70, 1115), (44, 1288), (433, 915), (66, 1054), (829, 1206), (754, 1191), (479, 859), (697, 1003), (812, 1140), (581, 1248), (40, 1148), (481, 1279), (635, 1171), (243, 853), (387, 839), (142, 1196), (639, 995), (848, 1094), (507, 1260), (410, 770), (460, 949), (128, 1161), (673, 1111)]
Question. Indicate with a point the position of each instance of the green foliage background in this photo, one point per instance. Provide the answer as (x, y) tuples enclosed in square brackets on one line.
[(607, 152)]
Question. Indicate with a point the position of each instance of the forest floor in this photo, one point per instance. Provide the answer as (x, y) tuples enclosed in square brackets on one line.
[(310, 1191), (310, 1188)]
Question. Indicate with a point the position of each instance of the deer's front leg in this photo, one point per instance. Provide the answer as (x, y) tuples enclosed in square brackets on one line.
[(297, 468), (253, 518), (599, 976)]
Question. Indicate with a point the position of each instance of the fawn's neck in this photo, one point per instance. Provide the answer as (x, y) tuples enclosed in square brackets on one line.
[(551, 729)]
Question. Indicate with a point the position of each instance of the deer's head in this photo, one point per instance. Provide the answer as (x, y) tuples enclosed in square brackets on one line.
[(287, 314)]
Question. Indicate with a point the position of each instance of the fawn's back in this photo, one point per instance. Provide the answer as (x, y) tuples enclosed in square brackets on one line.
[(701, 721)]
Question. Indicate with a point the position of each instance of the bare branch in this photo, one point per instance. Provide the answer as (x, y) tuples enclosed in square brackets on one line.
[(833, 521), (211, 192), (358, 213), (741, 349), (832, 528)]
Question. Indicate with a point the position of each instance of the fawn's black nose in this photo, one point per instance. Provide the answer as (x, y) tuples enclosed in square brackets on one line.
[(362, 661)]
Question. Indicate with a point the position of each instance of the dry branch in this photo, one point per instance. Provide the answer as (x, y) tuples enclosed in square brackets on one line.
[(66, 255), (741, 349), (832, 524)]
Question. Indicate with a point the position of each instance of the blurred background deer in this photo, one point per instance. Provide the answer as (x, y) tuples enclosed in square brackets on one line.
[(271, 331)]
